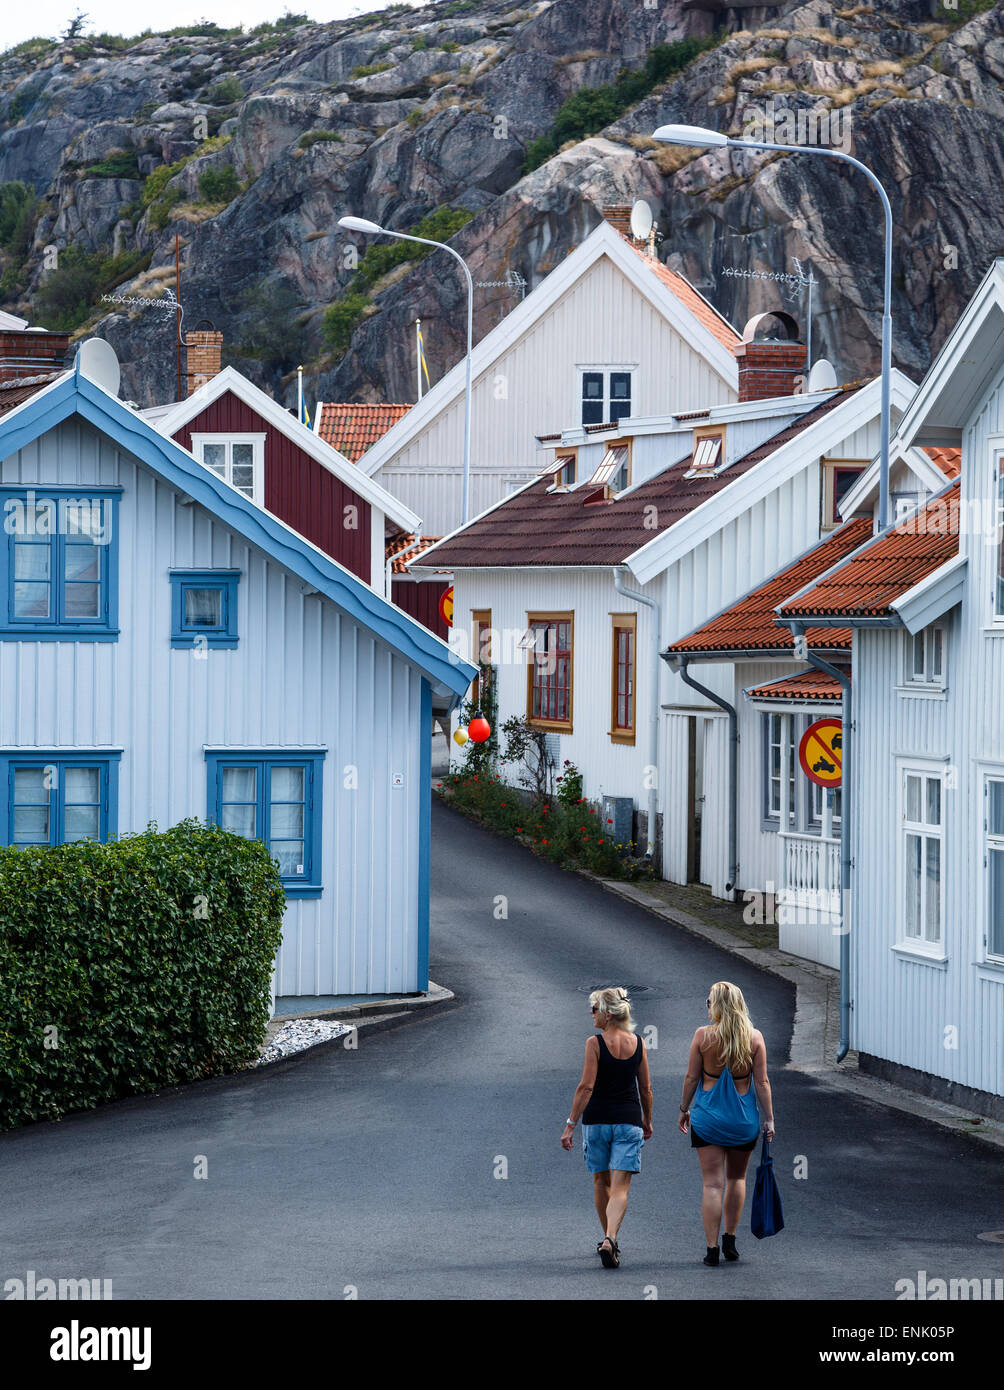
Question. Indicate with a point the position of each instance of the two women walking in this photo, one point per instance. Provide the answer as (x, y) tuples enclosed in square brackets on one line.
[(726, 1076)]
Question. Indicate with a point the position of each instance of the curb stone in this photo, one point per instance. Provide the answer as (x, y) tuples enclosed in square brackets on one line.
[(816, 1030)]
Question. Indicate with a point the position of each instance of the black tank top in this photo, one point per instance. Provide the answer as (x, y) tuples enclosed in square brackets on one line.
[(615, 1099)]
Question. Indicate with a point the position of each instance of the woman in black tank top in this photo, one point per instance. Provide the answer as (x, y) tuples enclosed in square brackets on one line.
[(614, 1102)]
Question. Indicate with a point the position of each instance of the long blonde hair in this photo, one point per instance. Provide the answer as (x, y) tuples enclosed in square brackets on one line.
[(732, 1025), (614, 1002)]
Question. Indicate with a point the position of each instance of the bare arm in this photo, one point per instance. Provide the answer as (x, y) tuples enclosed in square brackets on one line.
[(645, 1091), (582, 1091), (695, 1065), (762, 1084)]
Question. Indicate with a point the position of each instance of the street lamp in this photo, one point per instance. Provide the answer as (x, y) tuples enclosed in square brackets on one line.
[(699, 135), (360, 224)]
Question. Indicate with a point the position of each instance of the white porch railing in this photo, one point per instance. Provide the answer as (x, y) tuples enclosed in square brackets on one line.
[(810, 879)]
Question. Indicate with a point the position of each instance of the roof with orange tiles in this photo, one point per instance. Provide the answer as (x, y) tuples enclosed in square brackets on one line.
[(580, 527), (352, 427), (948, 460), (396, 544), (750, 624), (868, 583), (806, 685), (702, 310)]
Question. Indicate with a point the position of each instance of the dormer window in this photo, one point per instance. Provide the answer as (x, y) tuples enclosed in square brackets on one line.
[(707, 455), (614, 469), (239, 459)]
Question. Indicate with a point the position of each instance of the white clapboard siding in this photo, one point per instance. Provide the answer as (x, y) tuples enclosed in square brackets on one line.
[(304, 674), (904, 1006), (535, 388)]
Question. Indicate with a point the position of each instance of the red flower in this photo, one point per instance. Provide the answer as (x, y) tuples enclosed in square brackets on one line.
[(543, 842), (609, 821), (519, 829)]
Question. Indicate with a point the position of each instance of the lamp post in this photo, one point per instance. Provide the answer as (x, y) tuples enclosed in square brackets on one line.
[(699, 135), (360, 224)]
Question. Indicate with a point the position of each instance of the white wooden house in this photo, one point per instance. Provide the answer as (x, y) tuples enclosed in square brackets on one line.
[(626, 541), (172, 649), (926, 605), (610, 333)]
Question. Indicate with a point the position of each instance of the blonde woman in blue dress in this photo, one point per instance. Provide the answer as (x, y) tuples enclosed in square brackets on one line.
[(726, 1076)]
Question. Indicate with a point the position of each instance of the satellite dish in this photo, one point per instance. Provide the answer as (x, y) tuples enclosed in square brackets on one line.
[(641, 219), (822, 377), (97, 361)]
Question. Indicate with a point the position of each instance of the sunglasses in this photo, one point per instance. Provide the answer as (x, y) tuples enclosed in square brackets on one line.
[(708, 1002)]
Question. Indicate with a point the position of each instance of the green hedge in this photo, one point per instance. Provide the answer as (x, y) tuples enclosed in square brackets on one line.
[(150, 956)]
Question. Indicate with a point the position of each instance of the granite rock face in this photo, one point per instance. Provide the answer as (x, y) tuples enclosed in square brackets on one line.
[(421, 109)]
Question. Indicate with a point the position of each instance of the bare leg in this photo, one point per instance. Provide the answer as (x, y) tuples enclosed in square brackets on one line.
[(601, 1195), (712, 1160), (735, 1189), (617, 1202)]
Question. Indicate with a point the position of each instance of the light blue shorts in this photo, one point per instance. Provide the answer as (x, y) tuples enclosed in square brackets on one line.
[(616, 1147)]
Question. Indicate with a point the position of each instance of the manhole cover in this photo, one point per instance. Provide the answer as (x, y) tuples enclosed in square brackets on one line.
[(631, 989), (993, 1237)]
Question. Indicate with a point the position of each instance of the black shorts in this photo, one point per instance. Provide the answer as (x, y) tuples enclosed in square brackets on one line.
[(696, 1142)]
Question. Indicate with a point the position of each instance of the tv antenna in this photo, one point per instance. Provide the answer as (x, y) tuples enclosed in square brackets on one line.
[(513, 281), (792, 285)]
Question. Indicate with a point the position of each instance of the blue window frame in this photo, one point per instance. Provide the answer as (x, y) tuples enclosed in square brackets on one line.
[(204, 608), (55, 797), (276, 797), (60, 553)]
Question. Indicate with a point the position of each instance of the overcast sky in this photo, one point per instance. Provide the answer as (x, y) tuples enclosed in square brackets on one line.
[(48, 18)]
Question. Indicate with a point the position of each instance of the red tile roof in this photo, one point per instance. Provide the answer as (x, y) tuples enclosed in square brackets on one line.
[(397, 544), (352, 427), (535, 527), (749, 625), (704, 312), (867, 584), (807, 685), (948, 460)]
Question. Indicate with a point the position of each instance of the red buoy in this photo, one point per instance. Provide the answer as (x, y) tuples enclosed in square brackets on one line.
[(479, 730)]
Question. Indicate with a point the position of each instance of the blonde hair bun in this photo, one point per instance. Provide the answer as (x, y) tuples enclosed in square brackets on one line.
[(615, 1003)]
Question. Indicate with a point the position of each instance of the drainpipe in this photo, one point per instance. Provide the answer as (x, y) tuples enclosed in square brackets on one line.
[(389, 578), (653, 791), (679, 664), (798, 630)]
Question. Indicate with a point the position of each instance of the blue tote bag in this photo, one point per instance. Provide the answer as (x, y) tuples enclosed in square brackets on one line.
[(766, 1216)]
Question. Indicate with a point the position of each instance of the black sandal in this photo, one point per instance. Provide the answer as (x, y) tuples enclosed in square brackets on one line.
[(611, 1257)]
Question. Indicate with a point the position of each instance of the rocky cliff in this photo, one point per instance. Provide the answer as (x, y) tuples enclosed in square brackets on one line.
[(250, 146)]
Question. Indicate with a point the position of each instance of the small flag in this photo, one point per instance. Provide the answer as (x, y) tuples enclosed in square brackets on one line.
[(304, 414), (421, 355)]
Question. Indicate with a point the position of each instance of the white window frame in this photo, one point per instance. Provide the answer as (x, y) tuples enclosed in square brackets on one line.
[(257, 441), (989, 773), (606, 369), (928, 683), (924, 768)]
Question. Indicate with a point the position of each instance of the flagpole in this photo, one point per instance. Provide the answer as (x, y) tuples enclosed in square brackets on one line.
[(299, 394), (418, 355)]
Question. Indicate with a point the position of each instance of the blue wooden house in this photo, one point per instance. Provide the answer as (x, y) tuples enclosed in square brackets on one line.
[(168, 648)]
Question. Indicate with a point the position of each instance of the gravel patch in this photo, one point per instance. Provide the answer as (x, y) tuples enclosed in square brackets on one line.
[(298, 1035)]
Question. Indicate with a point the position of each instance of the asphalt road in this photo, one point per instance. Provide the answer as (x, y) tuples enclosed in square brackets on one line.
[(376, 1169)]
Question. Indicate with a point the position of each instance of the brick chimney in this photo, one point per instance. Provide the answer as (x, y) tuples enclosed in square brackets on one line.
[(204, 347), (768, 365), (619, 217), (25, 353)]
